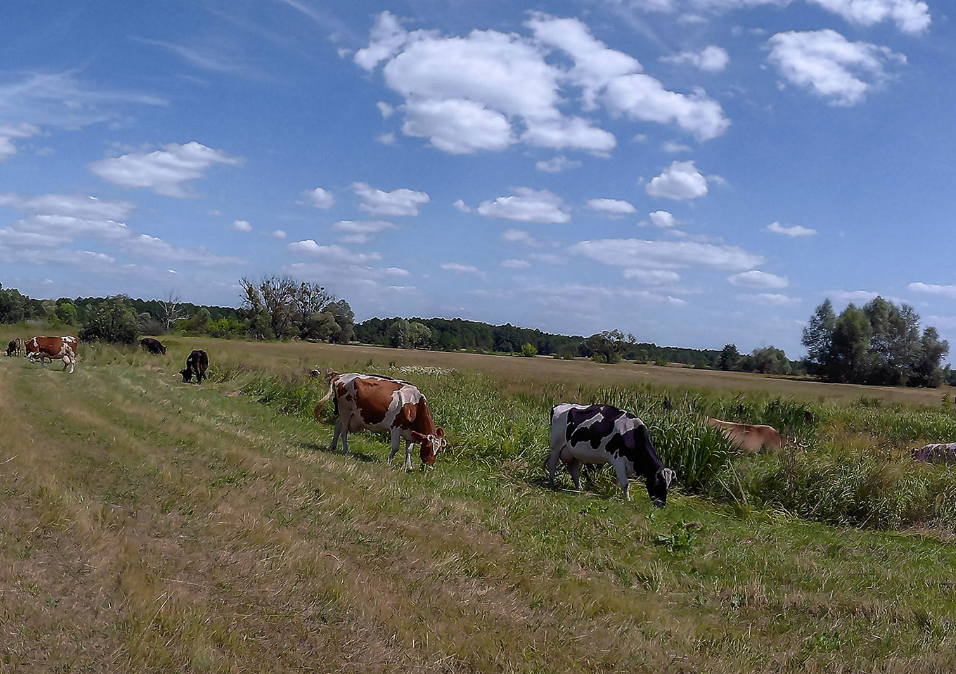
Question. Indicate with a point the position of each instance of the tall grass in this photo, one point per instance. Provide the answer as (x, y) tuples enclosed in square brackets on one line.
[(845, 464)]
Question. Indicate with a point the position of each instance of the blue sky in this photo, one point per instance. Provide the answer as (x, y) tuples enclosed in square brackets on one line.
[(695, 172)]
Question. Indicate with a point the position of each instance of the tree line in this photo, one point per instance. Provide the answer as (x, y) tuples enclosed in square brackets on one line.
[(879, 343)]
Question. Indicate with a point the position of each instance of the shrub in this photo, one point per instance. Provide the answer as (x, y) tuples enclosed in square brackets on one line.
[(529, 350), (112, 321)]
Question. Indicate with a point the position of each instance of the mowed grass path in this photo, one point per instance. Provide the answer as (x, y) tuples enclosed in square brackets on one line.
[(150, 525)]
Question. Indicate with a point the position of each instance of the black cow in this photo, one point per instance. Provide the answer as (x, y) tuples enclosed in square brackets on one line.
[(602, 434), (196, 365), (152, 345)]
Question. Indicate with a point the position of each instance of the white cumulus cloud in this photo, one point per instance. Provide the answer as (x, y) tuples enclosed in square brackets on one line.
[(770, 299), (644, 254), (759, 279), (933, 289), (488, 90), (458, 268), (662, 219), (240, 226), (710, 59), (613, 207), (11, 132), (320, 198), (794, 231), (165, 171), (556, 164), (681, 180), (831, 66), (516, 264), (332, 253), (527, 205), (400, 202)]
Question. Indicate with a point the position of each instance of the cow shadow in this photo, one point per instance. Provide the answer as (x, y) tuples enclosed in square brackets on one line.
[(324, 448)]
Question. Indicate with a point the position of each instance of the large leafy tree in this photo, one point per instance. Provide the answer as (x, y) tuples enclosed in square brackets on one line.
[(880, 343), (818, 338)]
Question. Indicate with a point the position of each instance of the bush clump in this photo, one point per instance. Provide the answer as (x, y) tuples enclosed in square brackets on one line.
[(113, 321)]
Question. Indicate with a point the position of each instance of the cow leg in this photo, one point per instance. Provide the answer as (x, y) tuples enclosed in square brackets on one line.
[(622, 480), (395, 435), (345, 439), (556, 447), (335, 434), (574, 467), (408, 456)]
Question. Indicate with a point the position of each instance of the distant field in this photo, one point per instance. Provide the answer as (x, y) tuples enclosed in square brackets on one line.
[(150, 525), (299, 355)]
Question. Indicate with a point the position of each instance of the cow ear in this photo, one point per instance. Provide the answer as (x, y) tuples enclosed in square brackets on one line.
[(417, 437), (668, 476), (440, 433)]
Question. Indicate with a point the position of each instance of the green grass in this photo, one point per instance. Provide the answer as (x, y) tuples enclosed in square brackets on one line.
[(150, 525)]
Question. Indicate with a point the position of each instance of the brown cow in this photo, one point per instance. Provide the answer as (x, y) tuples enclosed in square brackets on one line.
[(54, 348), (370, 402), (747, 437), (15, 347)]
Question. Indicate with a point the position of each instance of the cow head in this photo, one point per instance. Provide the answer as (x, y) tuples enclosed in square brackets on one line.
[(658, 484), (163, 349), (431, 445), (187, 374)]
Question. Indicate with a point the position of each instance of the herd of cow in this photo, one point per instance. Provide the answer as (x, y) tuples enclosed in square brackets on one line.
[(67, 349), (580, 434)]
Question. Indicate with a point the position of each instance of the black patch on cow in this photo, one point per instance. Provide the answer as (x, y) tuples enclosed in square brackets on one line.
[(594, 433)]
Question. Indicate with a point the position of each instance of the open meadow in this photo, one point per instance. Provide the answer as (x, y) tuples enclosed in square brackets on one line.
[(151, 525)]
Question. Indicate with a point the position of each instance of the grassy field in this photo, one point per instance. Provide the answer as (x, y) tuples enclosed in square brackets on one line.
[(150, 525)]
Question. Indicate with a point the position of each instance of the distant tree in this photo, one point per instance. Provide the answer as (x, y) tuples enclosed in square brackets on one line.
[(149, 324), (818, 339), (928, 370), (281, 307), (171, 309), (111, 321), (66, 313), (344, 318), (14, 307), (197, 323), (851, 339), (894, 343), (529, 350), (728, 357), (607, 346), (418, 335), (770, 360), (398, 334)]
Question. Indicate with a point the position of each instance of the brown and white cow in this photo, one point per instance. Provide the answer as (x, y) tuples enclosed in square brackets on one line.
[(373, 403), (54, 348), (748, 437), (15, 347)]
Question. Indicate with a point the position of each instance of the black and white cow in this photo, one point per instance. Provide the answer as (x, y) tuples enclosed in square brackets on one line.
[(600, 434)]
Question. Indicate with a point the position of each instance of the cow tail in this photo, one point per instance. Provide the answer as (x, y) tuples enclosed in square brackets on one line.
[(317, 412)]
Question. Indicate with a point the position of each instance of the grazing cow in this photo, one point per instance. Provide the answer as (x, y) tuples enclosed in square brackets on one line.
[(196, 364), (15, 347), (53, 348), (152, 345), (370, 402), (748, 437), (936, 453), (600, 434)]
